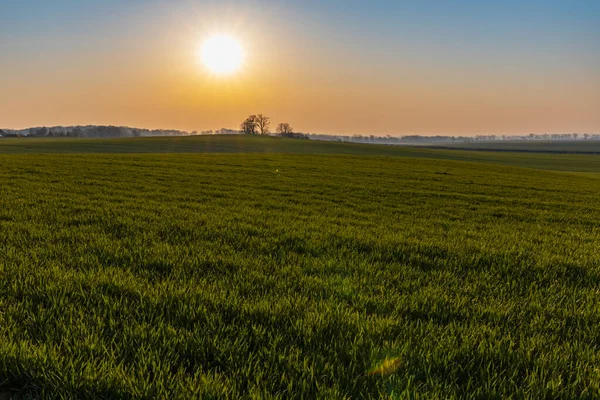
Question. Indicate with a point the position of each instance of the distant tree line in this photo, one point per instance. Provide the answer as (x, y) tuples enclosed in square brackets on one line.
[(260, 124), (452, 139), (90, 131), (222, 131)]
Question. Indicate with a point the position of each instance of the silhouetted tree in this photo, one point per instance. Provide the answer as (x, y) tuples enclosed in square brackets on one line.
[(284, 129), (249, 125), (263, 124)]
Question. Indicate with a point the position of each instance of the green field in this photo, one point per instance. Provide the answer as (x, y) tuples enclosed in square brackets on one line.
[(270, 145), (552, 146), (295, 269)]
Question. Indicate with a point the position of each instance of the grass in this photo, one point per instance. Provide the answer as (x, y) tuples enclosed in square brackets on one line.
[(549, 146), (270, 145), (295, 276)]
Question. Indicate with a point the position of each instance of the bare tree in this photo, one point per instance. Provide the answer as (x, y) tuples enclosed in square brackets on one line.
[(263, 124), (249, 125), (284, 129)]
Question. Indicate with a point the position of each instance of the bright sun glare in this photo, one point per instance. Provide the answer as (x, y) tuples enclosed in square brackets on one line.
[(222, 54)]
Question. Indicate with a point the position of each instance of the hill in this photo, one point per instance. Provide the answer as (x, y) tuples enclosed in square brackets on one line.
[(282, 275), (273, 145), (533, 146)]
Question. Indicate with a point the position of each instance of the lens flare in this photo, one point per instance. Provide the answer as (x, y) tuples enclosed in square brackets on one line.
[(387, 367)]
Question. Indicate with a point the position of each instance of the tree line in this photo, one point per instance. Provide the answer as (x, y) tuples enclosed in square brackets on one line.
[(260, 124), (89, 131)]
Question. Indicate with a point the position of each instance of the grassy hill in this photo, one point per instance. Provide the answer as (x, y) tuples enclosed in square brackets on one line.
[(572, 146), (284, 275), (295, 276), (268, 145)]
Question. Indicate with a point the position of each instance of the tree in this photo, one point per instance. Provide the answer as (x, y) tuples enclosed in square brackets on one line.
[(284, 129), (263, 124), (249, 125)]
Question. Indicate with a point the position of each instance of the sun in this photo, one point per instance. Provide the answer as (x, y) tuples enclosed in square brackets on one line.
[(222, 54)]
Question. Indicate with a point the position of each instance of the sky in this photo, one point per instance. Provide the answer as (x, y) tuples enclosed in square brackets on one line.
[(340, 67)]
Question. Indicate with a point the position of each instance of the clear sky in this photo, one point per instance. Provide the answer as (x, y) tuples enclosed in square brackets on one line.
[(370, 67)]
